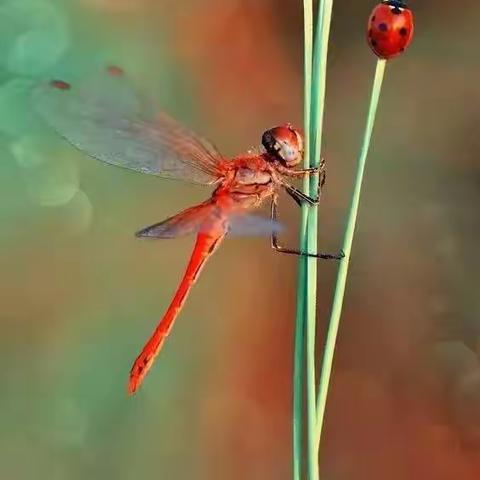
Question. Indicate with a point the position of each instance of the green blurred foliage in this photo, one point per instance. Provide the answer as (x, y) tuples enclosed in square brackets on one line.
[(80, 294)]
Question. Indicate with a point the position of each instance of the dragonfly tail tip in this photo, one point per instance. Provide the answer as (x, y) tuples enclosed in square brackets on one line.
[(133, 384)]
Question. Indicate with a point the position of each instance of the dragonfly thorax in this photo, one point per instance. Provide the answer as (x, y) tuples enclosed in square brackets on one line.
[(247, 176)]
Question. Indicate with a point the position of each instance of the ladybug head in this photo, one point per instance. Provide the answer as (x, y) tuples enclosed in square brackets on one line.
[(395, 3), (284, 144)]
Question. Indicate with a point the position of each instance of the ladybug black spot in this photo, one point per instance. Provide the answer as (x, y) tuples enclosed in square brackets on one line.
[(373, 18), (403, 32), (383, 27), (374, 43)]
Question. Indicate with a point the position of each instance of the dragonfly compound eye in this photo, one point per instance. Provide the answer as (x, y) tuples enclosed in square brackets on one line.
[(268, 141)]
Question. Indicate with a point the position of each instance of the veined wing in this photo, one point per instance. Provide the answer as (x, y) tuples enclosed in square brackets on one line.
[(105, 118), (208, 216)]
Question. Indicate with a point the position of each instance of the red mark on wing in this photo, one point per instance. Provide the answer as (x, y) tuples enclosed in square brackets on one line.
[(60, 85), (115, 71)]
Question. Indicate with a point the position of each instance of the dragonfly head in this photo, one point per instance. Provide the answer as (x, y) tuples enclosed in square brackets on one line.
[(284, 144)]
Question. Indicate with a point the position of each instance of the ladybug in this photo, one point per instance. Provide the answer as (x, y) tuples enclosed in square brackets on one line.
[(390, 28)]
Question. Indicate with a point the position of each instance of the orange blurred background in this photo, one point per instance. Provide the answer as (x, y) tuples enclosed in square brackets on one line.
[(80, 294)]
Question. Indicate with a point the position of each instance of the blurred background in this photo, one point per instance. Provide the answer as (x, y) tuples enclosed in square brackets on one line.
[(80, 295)]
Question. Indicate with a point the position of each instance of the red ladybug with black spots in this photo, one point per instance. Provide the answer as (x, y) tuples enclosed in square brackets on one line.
[(390, 28)]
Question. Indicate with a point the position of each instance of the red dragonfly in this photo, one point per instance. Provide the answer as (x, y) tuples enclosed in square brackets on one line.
[(105, 118)]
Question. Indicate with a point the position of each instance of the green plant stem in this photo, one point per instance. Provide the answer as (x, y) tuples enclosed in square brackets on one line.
[(317, 114), (299, 357), (347, 246)]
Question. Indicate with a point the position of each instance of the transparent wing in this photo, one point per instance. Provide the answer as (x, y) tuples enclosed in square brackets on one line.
[(105, 118), (252, 225), (201, 218)]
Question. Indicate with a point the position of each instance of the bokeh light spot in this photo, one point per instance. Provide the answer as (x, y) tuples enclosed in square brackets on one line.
[(35, 38), (50, 174), (78, 213), (15, 114), (27, 151)]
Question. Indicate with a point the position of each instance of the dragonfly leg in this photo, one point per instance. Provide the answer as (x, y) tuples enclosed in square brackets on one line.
[(275, 245), (301, 197), (305, 171), (308, 171)]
